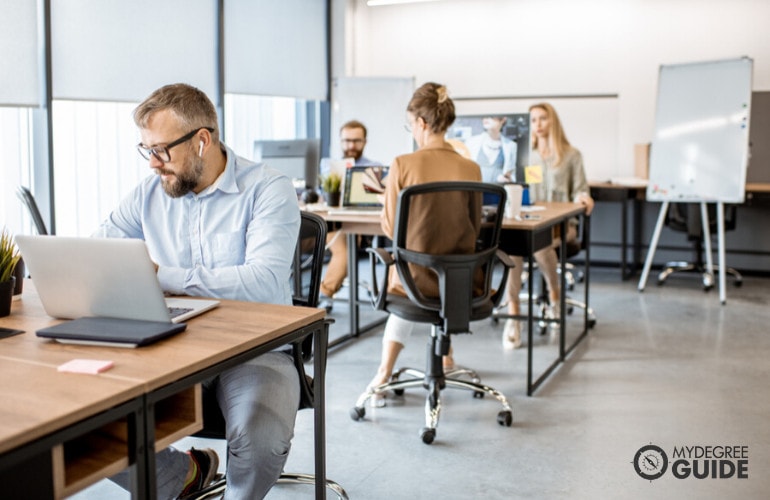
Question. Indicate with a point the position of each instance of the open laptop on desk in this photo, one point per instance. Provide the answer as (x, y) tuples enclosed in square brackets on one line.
[(101, 277), (360, 191)]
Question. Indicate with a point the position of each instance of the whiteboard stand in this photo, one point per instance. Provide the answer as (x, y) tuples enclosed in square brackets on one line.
[(721, 243), (653, 245), (706, 245)]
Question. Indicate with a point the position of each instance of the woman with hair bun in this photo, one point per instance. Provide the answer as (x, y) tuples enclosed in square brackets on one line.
[(429, 114)]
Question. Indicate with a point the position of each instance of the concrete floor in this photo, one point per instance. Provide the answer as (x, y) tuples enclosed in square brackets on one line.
[(670, 366)]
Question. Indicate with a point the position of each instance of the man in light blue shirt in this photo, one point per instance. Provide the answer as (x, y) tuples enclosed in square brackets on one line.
[(217, 225)]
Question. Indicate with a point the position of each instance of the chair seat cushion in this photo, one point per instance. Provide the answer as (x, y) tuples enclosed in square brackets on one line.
[(404, 308)]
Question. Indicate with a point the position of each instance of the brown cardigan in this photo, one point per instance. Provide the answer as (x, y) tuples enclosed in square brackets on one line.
[(435, 228)]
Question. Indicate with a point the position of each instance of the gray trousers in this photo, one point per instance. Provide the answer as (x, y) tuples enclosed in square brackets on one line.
[(259, 400)]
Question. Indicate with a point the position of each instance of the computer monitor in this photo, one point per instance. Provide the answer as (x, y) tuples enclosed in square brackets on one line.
[(515, 127), (297, 158)]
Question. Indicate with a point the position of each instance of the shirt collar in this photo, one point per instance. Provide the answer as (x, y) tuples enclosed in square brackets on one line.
[(226, 181)]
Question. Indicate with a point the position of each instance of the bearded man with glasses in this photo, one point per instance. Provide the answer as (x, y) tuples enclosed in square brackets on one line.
[(217, 225)]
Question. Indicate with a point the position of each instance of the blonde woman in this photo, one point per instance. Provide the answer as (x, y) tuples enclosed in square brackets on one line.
[(564, 179)]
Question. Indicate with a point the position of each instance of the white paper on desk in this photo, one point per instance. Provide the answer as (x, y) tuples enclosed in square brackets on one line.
[(629, 181), (532, 208)]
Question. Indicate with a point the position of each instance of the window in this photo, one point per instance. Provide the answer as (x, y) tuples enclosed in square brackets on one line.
[(95, 162), (16, 167)]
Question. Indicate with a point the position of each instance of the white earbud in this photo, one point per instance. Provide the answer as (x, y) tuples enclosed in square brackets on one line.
[(200, 149)]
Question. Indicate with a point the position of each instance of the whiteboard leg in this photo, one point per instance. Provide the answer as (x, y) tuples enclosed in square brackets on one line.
[(721, 243), (704, 217), (653, 245)]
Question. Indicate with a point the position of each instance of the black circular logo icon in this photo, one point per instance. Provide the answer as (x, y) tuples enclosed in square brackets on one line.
[(650, 462)]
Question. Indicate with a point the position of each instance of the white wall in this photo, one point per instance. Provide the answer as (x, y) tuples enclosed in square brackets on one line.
[(530, 48)]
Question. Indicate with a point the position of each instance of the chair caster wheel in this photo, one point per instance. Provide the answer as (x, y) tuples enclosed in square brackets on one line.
[(398, 392), (427, 435), (495, 319), (357, 413), (478, 395), (591, 323), (505, 418)]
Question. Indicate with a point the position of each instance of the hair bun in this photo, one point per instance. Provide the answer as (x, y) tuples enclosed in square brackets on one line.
[(441, 93)]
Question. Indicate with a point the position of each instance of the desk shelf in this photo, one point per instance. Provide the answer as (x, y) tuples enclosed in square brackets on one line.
[(178, 416), (82, 461)]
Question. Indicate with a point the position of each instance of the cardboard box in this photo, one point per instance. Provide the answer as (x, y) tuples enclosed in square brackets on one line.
[(642, 161)]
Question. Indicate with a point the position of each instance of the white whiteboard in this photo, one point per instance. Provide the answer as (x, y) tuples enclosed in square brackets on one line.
[(590, 123), (378, 103), (700, 146)]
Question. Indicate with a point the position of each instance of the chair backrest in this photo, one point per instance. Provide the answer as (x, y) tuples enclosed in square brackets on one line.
[(308, 260), (686, 217), (443, 226), (26, 197), (306, 281)]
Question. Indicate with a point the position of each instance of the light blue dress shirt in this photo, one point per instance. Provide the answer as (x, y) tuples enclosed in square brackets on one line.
[(233, 240)]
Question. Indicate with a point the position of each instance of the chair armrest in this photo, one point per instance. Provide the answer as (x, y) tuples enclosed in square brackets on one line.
[(379, 286), (507, 262)]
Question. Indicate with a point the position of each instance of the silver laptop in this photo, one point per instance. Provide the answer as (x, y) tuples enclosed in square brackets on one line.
[(102, 277), (360, 191)]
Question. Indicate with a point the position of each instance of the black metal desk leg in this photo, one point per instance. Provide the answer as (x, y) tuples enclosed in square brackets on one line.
[(624, 273), (353, 280), (563, 288), (530, 319), (321, 339)]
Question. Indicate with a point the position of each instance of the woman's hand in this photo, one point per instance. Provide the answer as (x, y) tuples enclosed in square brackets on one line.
[(585, 200)]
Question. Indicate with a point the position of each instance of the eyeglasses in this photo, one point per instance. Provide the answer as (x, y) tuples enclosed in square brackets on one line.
[(352, 141), (161, 152)]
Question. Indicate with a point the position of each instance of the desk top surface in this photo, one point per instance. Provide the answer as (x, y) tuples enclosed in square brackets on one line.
[(751, 187), (551, 214), (39, 400)]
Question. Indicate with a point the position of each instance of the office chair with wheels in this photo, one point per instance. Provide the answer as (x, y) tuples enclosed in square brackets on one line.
[(306, 281), (26, 197), (686, 217), (464, 288)]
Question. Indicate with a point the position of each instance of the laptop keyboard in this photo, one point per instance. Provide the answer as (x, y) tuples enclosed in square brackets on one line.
[(178, 311)]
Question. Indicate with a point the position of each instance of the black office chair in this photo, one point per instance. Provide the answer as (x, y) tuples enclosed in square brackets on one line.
[(26, 197), (457, 304), (686, 217), (306, 281)]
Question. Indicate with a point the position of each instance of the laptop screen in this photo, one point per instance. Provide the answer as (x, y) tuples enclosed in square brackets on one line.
[(362, 185)]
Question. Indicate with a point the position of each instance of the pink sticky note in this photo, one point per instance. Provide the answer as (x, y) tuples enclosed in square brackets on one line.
[(92, 366)]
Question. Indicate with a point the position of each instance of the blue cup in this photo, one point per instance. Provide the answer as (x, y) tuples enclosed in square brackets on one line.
[(525, 195)]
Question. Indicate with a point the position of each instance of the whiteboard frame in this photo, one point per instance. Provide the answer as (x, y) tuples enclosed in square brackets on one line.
[(700, 145)]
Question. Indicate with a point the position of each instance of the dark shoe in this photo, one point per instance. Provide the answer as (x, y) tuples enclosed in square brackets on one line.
[(207, 463)]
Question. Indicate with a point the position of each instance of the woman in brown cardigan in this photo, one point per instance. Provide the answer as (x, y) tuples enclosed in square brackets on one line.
[(429, 114)]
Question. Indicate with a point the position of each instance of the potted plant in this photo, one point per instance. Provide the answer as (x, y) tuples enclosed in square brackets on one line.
[(9, 257), (331, 186)]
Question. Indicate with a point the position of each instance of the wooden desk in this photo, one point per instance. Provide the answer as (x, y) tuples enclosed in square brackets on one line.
[(635, 195), (151, 383), (525, 237), (606, 191), (352, 226), (518, 237)]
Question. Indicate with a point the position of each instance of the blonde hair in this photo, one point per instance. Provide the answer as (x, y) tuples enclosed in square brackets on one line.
[(558, 145), (431, 102)]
